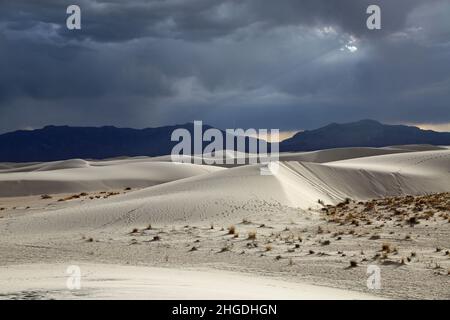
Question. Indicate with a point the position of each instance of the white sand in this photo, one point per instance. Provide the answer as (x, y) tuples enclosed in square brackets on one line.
[(104, 281), (81, 176), (233, 192), (185, 194)]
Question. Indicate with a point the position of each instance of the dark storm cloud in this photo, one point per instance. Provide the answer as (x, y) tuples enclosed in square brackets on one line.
[(287, 64), (118, 20)]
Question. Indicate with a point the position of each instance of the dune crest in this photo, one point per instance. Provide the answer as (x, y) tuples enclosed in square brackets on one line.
[(234, 192)]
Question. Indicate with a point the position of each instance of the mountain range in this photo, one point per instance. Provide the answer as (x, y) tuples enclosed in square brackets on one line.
[(63, 142), (364, 133)]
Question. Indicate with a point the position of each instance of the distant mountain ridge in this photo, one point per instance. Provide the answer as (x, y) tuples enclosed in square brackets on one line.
[(63, 142), (53, 143), (364, 133)]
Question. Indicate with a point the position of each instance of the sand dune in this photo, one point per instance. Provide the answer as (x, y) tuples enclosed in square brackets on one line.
[(234, 192), (77, 175), (181, 201), (102, 281), (322, 156), (319, 156), (417, 147), (81, 176)]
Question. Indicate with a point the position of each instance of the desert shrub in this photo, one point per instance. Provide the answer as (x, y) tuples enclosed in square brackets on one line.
[(413, 221), (386, 247)]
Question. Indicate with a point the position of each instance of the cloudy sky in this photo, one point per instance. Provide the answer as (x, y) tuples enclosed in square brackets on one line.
[(287, 64)]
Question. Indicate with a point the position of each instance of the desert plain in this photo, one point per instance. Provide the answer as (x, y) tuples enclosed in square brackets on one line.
[(149, 228)]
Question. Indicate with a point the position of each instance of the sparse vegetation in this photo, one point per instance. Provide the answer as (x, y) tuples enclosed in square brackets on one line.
[(413, 221), (252, 235), (386, 247), (225, 249)]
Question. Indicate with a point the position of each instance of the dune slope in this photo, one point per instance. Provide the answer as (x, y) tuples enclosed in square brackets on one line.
[(235, 192), (81, 176)]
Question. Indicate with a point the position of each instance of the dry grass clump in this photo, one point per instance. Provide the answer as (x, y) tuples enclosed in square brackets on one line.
[(231, 230), (225, 248), (413, 221), (408, 210), (73, 197), (386, 247), (109, 194), (252, 235)]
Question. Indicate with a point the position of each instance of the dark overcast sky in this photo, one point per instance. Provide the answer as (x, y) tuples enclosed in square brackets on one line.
[(288, 64)]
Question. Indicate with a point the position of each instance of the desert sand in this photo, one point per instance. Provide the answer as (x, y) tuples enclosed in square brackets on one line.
[(105, 281), (309, 230)]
